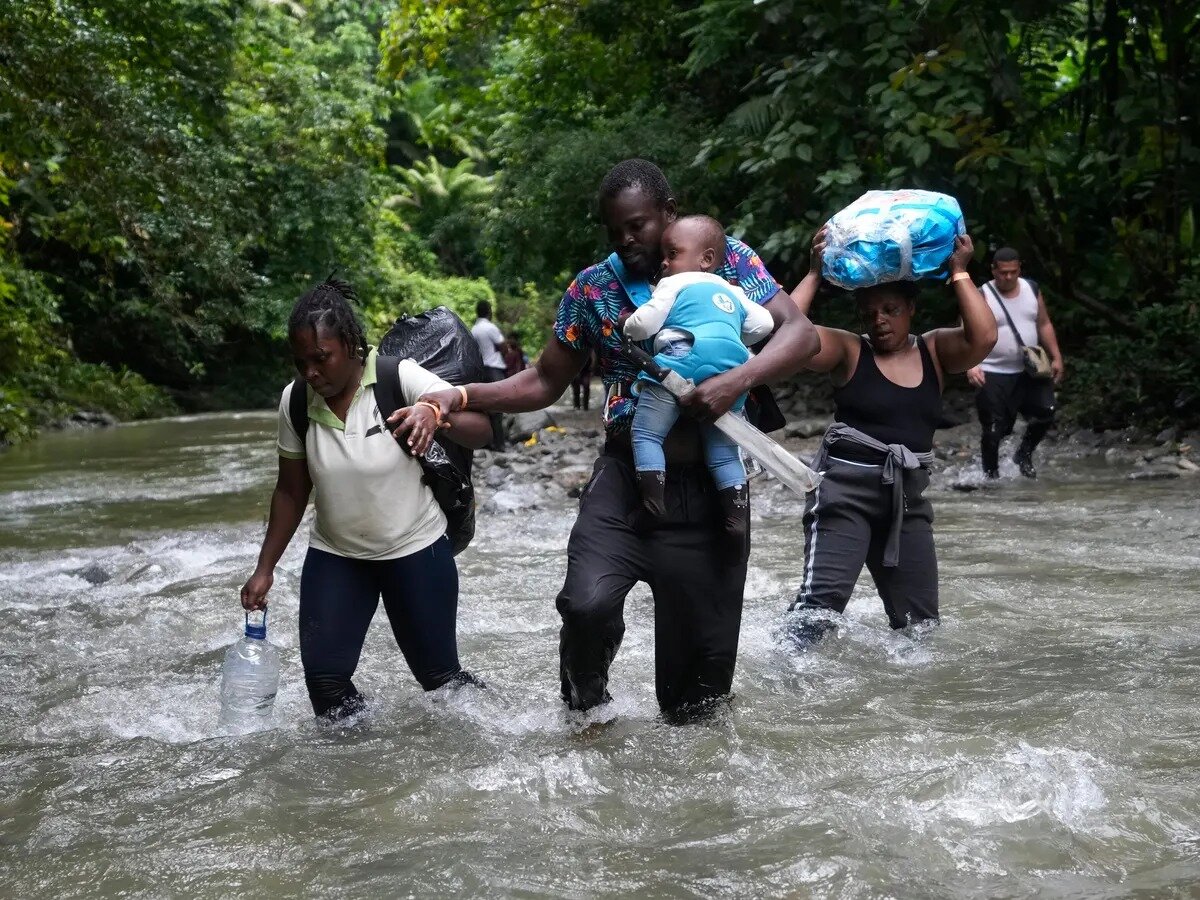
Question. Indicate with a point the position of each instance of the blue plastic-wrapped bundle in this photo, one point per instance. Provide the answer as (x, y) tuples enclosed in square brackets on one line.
[(886, 236)]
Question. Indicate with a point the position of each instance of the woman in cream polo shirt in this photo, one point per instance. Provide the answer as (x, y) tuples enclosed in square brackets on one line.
[(378, 530)]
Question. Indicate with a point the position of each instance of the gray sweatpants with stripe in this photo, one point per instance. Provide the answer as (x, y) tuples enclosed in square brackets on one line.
[(846, 523)]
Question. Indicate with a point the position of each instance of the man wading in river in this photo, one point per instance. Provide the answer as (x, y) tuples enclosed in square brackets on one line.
[(1002, 386), (697, 589)]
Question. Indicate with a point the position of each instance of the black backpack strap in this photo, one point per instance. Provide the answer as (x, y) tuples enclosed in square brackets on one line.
[(387, 385), (1033, 286), (452, 489), (298, 409)]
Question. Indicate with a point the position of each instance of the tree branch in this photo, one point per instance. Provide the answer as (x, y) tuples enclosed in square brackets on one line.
[(1102, 309)]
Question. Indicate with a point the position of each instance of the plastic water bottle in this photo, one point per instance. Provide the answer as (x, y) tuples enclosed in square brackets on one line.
[(250, 676)]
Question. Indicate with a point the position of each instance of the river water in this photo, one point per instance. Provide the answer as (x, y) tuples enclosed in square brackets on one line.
[(1043, 740)]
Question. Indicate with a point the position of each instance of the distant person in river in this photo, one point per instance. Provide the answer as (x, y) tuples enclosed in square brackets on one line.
[(701, 326), (514, 358), (378, 531), (581, 384), (1003, 387), (493, 348), (697, 588), (870, 509)]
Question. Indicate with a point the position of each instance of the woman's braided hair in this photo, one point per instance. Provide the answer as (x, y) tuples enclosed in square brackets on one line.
[(330, 306)]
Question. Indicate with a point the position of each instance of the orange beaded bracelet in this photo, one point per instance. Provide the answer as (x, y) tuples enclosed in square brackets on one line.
[(437, 410)]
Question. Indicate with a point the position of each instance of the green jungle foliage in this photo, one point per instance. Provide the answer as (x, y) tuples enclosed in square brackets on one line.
[(1065, 129), (174, 173)]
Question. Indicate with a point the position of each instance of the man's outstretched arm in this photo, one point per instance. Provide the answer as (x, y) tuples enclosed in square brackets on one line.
[(530, 389)]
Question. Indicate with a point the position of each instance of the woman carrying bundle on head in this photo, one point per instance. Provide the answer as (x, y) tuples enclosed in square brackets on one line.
[(378, 530), (870, 508)]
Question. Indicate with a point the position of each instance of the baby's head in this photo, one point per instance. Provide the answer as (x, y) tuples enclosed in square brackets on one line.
[(693, 244)]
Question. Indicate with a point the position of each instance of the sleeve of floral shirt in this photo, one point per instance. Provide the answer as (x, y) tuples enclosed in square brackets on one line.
[(745, 268), (575, 322)]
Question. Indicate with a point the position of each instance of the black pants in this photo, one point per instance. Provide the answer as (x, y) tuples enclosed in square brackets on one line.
[(846, 524), (696, 578), (499, 438), (999, 402), (338, 598)]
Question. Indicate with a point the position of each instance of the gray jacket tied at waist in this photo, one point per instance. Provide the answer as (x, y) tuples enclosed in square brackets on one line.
[(893, 456)]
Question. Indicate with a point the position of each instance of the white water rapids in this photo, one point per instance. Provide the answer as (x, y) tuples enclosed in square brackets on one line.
[(1042, 741)]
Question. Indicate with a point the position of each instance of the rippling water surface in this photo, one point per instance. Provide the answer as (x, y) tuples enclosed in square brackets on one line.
[(1043, 740)]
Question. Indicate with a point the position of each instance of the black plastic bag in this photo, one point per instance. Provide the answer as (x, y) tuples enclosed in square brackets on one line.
[(439, 341)]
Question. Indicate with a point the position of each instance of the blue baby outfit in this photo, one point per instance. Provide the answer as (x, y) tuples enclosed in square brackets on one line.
[(593, 302), (713, 315), (700, 325)]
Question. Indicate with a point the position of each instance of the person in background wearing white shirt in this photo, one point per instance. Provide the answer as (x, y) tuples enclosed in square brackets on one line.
[(1003, 389), (492, 347), (701, 325), (378, 529)]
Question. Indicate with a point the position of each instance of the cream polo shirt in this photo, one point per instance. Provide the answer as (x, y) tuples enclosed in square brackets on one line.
[(371, 502)]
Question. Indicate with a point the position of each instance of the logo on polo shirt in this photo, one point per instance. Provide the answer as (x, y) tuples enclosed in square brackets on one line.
[(723, 302)]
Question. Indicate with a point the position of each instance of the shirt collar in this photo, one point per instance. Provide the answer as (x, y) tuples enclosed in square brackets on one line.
[(318, 409), (637, 289)]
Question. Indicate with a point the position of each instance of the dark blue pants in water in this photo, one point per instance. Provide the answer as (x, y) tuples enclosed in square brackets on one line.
[(338, 598)]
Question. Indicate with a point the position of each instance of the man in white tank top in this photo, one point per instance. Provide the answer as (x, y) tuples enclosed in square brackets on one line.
[(1003, 389), (492, 348)]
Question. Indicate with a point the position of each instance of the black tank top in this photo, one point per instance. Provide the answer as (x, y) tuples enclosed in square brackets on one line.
[(885, 410)]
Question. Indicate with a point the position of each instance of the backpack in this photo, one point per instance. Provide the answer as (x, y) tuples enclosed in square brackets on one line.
[(448, 479), (439, 341)]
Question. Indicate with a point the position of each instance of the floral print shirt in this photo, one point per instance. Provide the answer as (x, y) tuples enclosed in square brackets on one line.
[(589, 310)]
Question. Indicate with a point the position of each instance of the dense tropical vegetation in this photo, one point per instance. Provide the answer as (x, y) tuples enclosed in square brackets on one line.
[(174, 172)]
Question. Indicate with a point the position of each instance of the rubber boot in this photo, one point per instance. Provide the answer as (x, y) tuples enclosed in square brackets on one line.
[(735, 519), (653, 488), (990, 451), (1034, 432)]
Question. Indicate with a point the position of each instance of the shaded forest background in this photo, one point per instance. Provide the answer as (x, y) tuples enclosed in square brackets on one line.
[(173, 173)]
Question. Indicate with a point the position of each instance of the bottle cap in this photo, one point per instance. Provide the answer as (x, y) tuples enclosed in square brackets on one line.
[(256, 629)]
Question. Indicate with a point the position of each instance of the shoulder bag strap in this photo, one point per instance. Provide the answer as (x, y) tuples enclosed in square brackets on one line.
[(1011, 324)]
